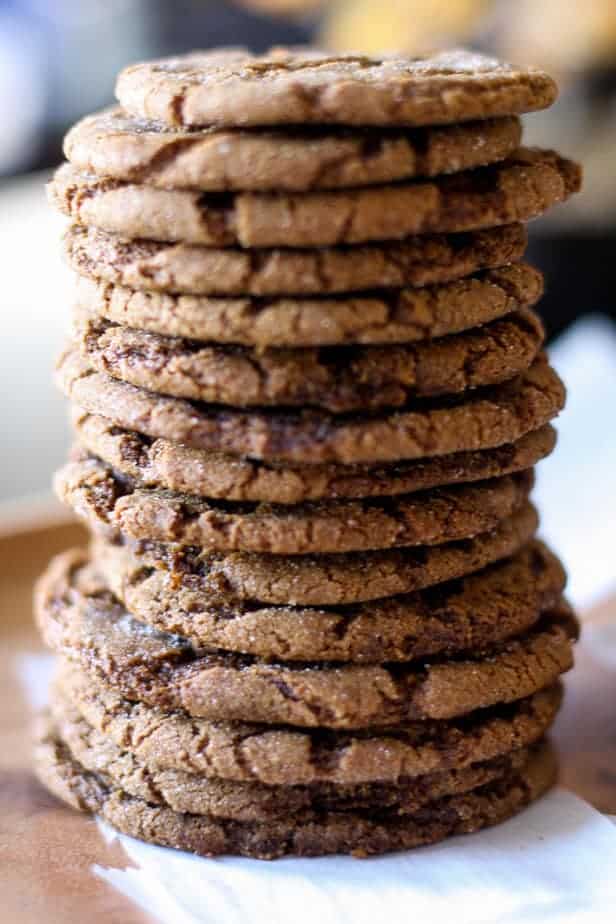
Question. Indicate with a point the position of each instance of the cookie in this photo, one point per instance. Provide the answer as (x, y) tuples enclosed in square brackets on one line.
[(337, 379), (298, 86), (475, 612), (319, 580), (90, 488), (486, 419), (189, 269), (171, 466), (80, 619), (309, 834), (111, 143), (248, 802), (286, 756), (522, 187), (405, 316)]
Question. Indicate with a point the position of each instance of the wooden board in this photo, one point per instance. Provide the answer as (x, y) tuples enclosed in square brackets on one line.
[(47, 851)]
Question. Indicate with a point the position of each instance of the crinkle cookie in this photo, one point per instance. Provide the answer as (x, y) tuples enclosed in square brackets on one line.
[(294, 159), (80, 619), (524, 186), (231, 86), (304, 834), (485, 419)]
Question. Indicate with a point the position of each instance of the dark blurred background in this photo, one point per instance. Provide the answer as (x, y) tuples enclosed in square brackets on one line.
[(59, 58)]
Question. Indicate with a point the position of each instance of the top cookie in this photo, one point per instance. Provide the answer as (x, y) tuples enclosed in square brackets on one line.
[(302, 86)]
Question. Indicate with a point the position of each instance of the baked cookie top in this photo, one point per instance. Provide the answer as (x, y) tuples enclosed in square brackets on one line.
[(231, 86)]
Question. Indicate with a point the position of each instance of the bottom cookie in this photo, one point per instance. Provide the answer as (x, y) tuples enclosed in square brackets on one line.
[(328, 832)]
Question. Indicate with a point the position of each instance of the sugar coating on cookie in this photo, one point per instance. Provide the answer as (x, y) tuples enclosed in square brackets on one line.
[(292, 159), (299, 86)]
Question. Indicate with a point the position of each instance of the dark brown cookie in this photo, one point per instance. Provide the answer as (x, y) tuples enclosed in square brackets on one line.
[(405, 316), (319, 580), (287, 756), (248, 802), (231, 86), (474, 612), (313, 834), (111, 143), (484, 420), (171, 466), (185, 268), (336, 379), (522, 187), (81, 620), (105, 502)]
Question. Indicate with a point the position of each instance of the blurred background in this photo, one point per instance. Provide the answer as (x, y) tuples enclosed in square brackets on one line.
[(59, 58)]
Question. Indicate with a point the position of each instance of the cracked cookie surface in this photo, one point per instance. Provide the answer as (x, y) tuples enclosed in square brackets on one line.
[(292, 756), (249, 802), (476, 611), (522, 187), (187, 268), (306, 834), (159, 463), (296, 86), (336, 579), (108, 504), (111, 143), (405, 316), (80, 619), (337, 379), (485, 419)]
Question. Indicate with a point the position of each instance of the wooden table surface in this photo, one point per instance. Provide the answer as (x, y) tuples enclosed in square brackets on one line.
[(47, 851)]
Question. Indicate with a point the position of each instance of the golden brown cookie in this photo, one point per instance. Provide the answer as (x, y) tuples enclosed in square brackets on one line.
[(108, 504), (486, 419), (112, 143), (231, 86), (474, 612), (293, 756), (171, 466), (250, 802), (186, 268), (522, 187), (80, 619), (318, 580), (405, 316), (337, 379), (303, 834)]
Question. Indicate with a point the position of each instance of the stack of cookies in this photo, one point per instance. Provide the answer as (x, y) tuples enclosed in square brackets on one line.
[(308, 393)]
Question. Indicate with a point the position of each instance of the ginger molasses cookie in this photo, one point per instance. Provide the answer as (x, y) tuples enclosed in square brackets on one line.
[(474, 612), (231, 86), (337, 379), (522, 187), (188, 268), (486, 419), (318, 580), (81, 620), (172, 466), (404, 316), (248, 802), (309, 834), (292, 756), (112, 143), (90, 488)]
